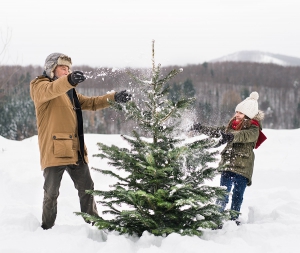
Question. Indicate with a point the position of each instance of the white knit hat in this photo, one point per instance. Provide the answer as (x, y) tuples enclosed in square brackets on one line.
[(249, 106)]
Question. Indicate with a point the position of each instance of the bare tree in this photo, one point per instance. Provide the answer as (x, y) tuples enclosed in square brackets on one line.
[(4, 76)]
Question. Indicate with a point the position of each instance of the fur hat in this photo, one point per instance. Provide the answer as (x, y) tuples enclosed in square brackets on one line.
[(249, 106), (54, 60)]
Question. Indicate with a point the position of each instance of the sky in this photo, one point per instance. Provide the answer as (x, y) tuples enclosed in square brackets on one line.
[(119, 33), (270, 210)]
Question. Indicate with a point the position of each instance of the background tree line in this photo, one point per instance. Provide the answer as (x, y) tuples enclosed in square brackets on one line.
[(218, 87)]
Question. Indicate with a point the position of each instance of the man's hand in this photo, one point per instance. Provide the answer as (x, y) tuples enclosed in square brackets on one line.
[(76, 77), (122, 96)]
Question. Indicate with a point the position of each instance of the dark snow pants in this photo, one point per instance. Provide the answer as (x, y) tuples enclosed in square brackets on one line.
[(80, 174), (239, 183)]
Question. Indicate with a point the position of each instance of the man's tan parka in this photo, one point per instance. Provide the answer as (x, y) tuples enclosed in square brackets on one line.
[(57, 121)]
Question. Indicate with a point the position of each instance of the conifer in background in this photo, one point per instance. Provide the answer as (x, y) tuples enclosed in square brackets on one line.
[(161, 180)]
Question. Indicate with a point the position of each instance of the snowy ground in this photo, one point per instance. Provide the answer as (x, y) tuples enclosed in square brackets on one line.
[(270, 212)]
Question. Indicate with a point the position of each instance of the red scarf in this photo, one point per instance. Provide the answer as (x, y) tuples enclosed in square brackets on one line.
[(234, 124), (261, 137)]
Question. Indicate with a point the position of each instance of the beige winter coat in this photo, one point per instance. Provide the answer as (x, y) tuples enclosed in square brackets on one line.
[(57, 121)]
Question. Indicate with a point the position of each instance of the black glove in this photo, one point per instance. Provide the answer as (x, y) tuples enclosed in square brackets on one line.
[(226, 137), (122, 96), (76, 77), (196, 127)]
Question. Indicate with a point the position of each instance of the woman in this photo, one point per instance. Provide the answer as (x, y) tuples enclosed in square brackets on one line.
[(241, 136)]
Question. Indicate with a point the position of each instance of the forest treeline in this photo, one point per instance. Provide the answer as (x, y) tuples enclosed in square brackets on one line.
[(217, 88)]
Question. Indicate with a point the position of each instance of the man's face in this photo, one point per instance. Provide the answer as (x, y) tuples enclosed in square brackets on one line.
[(61, 70)]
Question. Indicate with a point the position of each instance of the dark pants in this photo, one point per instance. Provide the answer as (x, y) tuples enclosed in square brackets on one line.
[(80, 174), (239, 183)]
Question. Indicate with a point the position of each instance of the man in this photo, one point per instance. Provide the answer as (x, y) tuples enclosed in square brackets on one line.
[(60, 132)]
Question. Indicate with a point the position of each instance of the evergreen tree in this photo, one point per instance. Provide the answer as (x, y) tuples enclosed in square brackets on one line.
[(205, 112), (185, 90), (162, 179), (17, 114), (188, 88), (175, 92)]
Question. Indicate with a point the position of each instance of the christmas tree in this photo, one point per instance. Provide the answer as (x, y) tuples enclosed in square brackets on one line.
[(161, 187)]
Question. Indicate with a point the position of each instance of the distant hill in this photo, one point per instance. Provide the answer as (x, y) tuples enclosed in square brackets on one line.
[(260, 57)]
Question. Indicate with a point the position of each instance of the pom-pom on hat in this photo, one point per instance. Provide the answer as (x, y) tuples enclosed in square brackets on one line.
[(249, 106), (55, 59)]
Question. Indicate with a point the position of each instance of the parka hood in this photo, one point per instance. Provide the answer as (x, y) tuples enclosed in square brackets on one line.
[(259, 116)]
